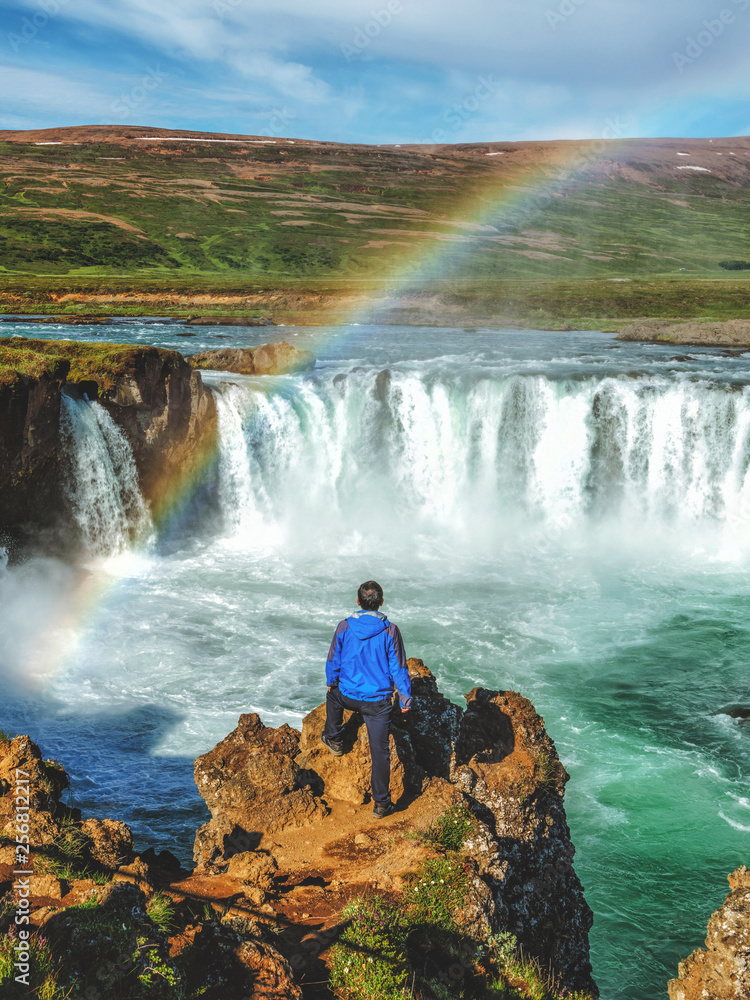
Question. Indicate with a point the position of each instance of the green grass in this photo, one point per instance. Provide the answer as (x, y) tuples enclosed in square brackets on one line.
[(450, 829), (518, 977), (161, 910), (71, 360), (370, 959), (42, 980), (210, 212), (436, 890), (394, 948)]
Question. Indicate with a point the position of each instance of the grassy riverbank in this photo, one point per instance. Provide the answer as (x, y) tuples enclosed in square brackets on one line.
[(581, 304)]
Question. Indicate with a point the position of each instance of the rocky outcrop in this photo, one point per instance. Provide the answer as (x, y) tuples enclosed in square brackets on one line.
[(231, 320), (252, 786), (166, 413), (168, 416), (730, 333), (281, 794), (721, 971), (147, 928), (268, 359), (31, 461)]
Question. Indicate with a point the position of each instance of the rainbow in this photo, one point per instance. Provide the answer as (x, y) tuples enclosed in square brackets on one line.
[(507, 199)]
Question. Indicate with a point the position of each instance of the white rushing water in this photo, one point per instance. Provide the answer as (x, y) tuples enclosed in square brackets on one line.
[(102, 480), (424, 453), (551, 513)]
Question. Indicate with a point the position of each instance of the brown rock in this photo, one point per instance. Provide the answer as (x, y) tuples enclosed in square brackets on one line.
[(168, 416), (271, 975), (252, 787), (281, 359), (495, 758), (269, 359), (722, 970), (21, 761), (110, 841), (44, 884), (347, 778), (729, 333), (257, 869)]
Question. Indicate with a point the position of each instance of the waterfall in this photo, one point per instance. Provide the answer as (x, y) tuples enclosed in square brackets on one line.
[(102, 478), (435, 452)]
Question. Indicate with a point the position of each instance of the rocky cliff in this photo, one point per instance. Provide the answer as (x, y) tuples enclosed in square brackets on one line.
[(154, 396), (467, 890), (492, 770), (95, 921), (721, 971)]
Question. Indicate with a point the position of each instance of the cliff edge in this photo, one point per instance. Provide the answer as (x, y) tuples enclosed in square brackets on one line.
[(468, 889), (721, 971), (153, 395), (479, 811)]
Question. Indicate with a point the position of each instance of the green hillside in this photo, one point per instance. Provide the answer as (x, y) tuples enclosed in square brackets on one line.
[(95, 207)]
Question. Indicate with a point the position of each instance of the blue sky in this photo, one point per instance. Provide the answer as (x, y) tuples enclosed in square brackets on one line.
[(383, 70)]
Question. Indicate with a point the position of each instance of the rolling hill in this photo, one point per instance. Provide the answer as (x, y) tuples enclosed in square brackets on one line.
[(103, 210)]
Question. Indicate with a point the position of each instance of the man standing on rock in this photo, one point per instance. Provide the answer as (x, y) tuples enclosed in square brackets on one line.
[(366, 662)]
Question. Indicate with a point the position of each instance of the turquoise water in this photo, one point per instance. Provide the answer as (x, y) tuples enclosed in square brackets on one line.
[(553, 513)]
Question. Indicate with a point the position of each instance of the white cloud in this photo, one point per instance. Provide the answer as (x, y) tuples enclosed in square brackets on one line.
[(557, 72)]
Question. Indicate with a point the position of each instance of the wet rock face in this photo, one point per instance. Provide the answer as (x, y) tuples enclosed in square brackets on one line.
[(158, 401), (495, 756), (722, 970), (168, 416), (30, 457), (268, 359)]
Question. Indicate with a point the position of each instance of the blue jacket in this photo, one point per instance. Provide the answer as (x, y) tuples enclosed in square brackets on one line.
[(367, 659)]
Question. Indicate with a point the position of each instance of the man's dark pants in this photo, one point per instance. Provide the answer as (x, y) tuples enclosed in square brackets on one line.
[(377, 716)]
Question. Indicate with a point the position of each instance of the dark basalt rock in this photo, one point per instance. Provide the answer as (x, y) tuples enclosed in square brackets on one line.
[(155, 397)]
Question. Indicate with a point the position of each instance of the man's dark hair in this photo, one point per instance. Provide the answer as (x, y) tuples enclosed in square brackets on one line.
[(370, 596)]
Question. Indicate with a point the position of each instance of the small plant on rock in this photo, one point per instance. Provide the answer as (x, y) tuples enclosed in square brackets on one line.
[(436, 890), (370, 960), (42, 981), (451, 829), (160, 909)]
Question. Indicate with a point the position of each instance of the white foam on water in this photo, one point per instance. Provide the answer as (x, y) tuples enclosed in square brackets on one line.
[(103, 486)]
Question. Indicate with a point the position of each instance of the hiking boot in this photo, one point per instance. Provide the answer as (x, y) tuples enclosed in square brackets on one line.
[(382, 809), (337, 749)]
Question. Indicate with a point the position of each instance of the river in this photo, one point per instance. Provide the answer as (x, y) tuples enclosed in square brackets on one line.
[(560, 514)]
